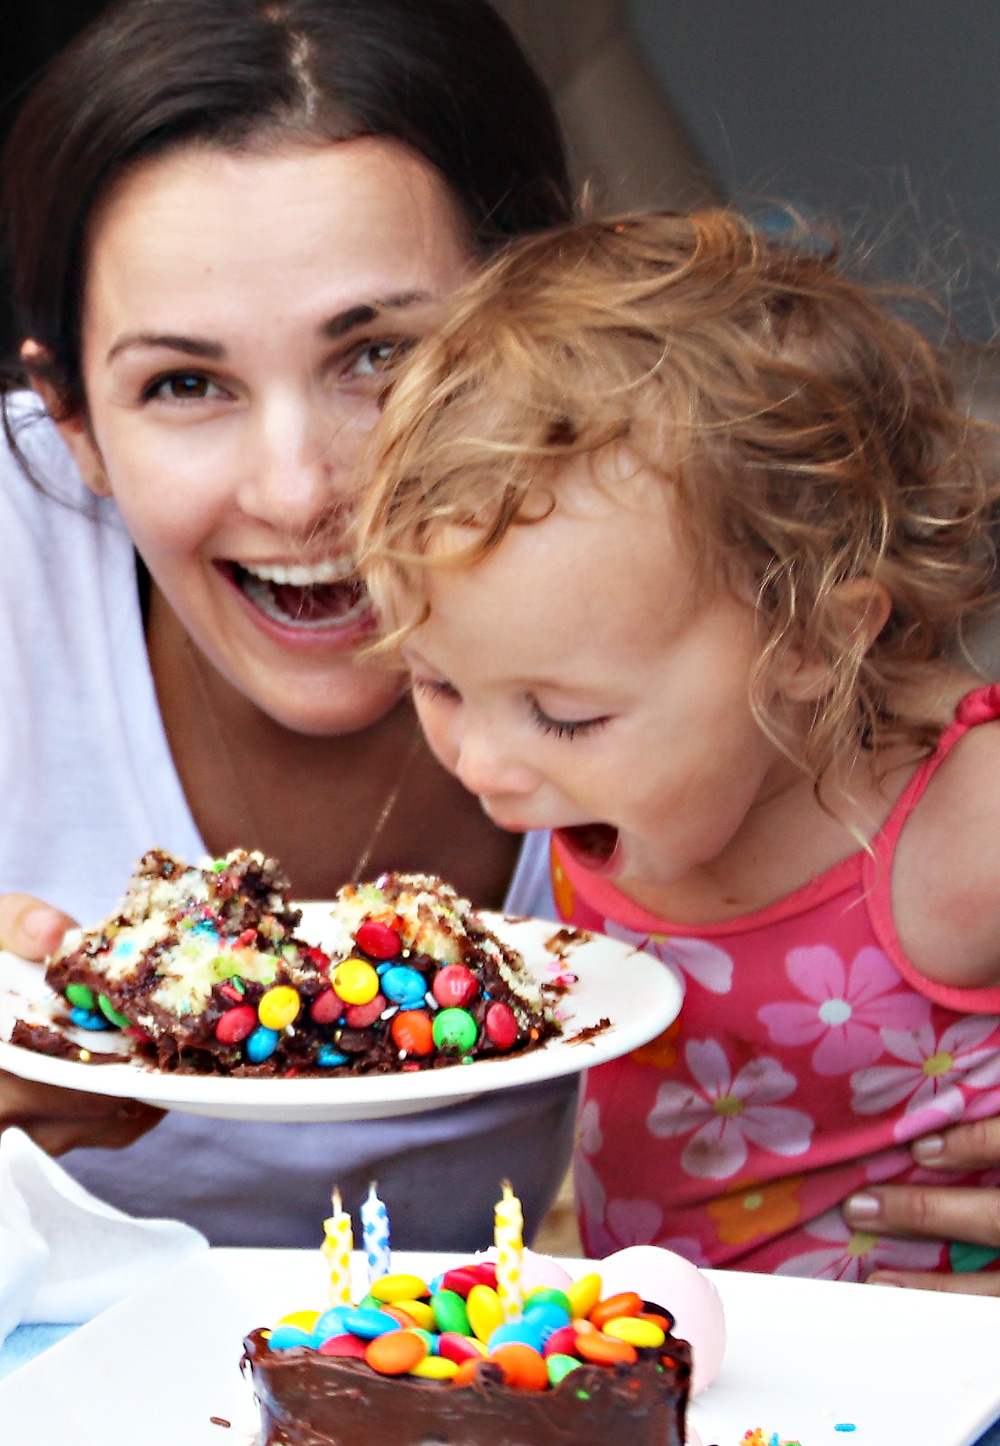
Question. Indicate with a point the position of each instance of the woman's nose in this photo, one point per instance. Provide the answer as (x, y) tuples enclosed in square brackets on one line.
[(300, 468)]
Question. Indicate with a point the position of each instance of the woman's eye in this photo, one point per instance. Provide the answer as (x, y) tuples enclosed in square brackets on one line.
[(377, 357), (565, 727), (183, 387)]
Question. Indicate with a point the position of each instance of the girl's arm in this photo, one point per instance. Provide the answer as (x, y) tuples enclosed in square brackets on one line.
[(59, 1120)]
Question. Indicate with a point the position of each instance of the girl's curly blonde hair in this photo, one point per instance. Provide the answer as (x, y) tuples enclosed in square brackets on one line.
[(808, 435)]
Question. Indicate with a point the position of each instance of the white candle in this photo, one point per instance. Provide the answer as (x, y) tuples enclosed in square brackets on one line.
[(338, 1243), (508, 1237), (375, 1231)]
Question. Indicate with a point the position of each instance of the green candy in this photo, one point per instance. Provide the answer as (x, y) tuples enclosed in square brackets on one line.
[(559, 1367), (549, 1296), (111, 1014), (455, 1029), (450, 1313), (80, 996)]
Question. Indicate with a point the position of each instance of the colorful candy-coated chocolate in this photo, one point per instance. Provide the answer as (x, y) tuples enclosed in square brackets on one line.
[(279, 1007), (304, 1319), (455, 1030), (501, 1025), (545, 1319), (584, 1295), (331, 1323), (461, 1280), (361, 1016), (328, 1056), (110, 1013), (484, 1310), (638, 1333), (435, 1368), (412, 1031), (466, 1372), (559, 1367), (397, 1287), (450, 1313), (522, 1366), (287, 1337), (454, 986), (520, 1332), (379, 940), (459, 1348), (420, 1312), (236, 1024), (604, 1350), (368, 1324), (485, 1272), (261, 1044), (326, 1007), (403, 985), (561, 1342), (346, 1345), (625, 1303), (88, 1019), (80, 996), (396, 1354), (546, 1295), (355, 981)]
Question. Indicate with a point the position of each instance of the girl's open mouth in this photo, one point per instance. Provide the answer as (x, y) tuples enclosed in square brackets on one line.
[(321, 596), (593, 845)]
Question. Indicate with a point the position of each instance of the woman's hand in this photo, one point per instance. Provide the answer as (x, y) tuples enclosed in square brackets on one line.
[(970, 1214), (56, 1119)]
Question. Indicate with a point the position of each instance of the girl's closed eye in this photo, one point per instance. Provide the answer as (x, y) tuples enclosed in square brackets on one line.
[(435, 688), (565, 727)]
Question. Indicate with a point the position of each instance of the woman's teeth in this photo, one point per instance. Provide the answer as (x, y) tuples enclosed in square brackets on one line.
[(303, 596)]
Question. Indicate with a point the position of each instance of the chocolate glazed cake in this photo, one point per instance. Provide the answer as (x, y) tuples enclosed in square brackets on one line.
[(311, 1400)]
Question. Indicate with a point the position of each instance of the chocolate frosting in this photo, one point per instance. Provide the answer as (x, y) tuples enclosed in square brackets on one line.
[(311, 1400)]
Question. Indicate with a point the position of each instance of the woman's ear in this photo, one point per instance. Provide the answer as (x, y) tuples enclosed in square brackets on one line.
[(857, 611), (73, 428)]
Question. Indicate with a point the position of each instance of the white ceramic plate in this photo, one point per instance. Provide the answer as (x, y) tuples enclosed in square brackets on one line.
[(633, 990), (905, 1368)]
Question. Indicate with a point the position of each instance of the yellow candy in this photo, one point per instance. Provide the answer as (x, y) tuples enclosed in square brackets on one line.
[(394, 1289), (485, 1311), (434, 1368), (584, 1295), (355, 981), (419, 1312), (304, 1319), (636, 1332), (279, 1007)]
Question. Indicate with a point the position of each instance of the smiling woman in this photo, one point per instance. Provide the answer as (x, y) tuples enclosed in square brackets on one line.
[(227, 220)]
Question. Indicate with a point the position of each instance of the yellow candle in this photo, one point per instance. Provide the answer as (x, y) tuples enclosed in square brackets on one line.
[(338, 1243), (508, 1237)]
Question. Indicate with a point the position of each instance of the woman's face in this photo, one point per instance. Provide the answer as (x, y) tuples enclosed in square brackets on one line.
[(239, 310)]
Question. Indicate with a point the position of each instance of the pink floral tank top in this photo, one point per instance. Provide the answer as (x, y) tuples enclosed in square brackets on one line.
[(807, 1054)]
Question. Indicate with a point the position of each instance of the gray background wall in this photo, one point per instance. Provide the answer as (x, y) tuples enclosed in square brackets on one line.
[(884, 114)]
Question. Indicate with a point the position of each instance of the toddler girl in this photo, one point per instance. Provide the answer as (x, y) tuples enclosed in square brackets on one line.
[(680, 531)]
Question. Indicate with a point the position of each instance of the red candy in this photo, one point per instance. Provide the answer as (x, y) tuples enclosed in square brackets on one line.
[(236, 1024), (359, 1016), (326, 1007), (501, 1025), (460, 1280), (458, 1348), (343, 1346), (561, 1342), (413, 1031), (316, 956), (247, 939), (454, 986), (379, 941), (485, 1273)]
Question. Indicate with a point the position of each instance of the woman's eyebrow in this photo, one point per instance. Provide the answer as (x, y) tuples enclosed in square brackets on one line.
[(189, 345), (366, 312)]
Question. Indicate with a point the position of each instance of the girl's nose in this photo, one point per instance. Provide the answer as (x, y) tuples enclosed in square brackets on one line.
[(301, 467), (488, 767)]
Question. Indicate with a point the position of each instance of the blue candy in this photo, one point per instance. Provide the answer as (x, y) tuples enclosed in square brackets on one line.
[(523, 1332), (328, 1055), (286, 1337), (261, 1044), (88, 1019), (546, 1318), (331, 1323), (369, 1323), (403, 985)]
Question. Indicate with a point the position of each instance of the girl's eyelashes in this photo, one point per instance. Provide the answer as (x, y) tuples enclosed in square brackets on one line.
[(182, 386), (434, 688), (565, 727)]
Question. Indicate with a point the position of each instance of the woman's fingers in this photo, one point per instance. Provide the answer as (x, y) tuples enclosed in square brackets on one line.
[(59, 1120), (938, 1212), (30, 928), (984, 1282), (972, 1146)]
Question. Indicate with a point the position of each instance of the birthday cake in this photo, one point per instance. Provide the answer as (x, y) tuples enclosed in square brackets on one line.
[(202, 970), (457, 1362)]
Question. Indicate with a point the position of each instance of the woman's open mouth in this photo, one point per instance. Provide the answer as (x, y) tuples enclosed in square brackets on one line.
[(593, 845), (321, 595)]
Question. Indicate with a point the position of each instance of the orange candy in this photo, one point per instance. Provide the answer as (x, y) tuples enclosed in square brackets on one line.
[(603, 1350), (625, 1303), (398, 1314), (395, 1353), (466, 1373), (522, 1366), (412, 1030)]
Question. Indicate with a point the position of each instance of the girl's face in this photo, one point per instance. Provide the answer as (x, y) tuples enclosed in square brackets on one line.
[(239, 310), (573, 682)]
